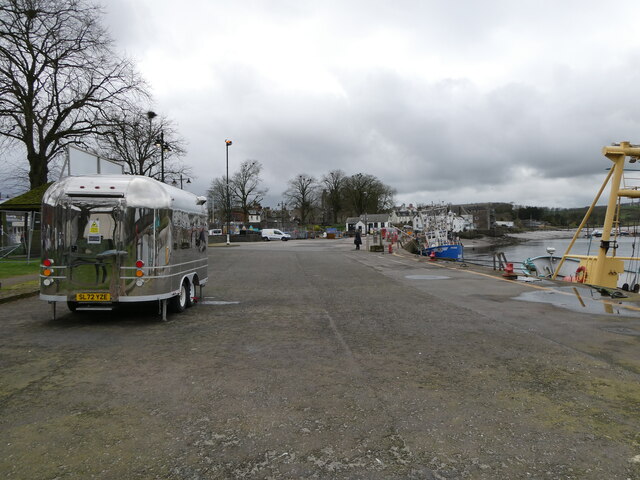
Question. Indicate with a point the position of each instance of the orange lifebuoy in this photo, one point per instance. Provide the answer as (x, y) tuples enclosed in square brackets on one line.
[(581, 274)]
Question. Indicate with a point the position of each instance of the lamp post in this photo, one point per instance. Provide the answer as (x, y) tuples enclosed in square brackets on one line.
[(159, 143), (281, 205), (176, 183), (228, 144), (163, 147)]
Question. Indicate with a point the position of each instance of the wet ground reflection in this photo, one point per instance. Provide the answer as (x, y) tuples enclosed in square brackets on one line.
[(584, 300)]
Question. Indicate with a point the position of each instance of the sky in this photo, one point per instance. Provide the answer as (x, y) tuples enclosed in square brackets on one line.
[(445, 101)]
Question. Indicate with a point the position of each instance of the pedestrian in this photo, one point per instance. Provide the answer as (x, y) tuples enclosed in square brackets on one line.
[(358, 240)]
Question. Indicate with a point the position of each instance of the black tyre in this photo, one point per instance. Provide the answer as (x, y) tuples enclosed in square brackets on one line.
[(73, 306), (190, 291)]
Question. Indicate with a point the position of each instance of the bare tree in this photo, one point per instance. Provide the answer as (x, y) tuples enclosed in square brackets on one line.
[(367, 194), (222, 204), (302, 195), (59, 77), (245, 185), (133, 139), (333, 183)]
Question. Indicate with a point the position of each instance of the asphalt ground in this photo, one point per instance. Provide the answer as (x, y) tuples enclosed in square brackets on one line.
[(307, 359)]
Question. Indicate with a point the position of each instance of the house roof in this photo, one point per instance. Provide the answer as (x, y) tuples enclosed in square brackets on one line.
[(375, 217), (371, 217), (27, 202)]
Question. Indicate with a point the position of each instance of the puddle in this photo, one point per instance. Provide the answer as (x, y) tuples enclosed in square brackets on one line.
[(583, 301), (426, 277), (622, 331), (211, 301)]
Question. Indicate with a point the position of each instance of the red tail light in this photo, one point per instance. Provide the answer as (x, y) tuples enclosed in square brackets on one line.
[(139, 264), (47, 262)]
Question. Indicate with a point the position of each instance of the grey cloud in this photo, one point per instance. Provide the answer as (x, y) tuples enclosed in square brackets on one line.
[(423, 134)]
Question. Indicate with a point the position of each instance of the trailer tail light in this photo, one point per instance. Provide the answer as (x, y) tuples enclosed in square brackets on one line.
[(46, 263), (139, 265)]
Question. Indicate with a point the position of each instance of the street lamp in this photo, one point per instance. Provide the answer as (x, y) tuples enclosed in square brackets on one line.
[(228, 144), (160, 143), (175, 183), (281, 205), (164, 147)]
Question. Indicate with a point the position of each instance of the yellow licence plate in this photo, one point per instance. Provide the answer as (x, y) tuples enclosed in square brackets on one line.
[(93, 297)]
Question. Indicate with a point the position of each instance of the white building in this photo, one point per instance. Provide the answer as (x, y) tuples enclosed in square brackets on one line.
[(443, 221), (403, 215), (369, 222)]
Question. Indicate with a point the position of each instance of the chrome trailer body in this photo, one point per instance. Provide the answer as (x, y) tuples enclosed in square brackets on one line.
[(110, 239)]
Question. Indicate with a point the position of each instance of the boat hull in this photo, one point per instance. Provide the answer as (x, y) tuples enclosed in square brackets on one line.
[(544, 267), (450, 252)]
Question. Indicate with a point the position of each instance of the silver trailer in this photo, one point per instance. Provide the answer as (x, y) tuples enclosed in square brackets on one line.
[(111, 239)]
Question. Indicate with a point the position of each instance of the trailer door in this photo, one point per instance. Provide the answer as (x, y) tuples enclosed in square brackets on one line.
[(94, 249)]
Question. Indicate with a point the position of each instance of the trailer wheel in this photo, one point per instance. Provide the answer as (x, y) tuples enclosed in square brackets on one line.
[(179, 302), (73, 306)]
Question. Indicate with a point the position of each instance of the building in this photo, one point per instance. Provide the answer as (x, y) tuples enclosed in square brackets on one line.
[(369, 222), (255, 217), (403, 215), (442, 218)]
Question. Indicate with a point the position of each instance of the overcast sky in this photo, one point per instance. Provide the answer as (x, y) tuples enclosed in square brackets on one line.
[(445, 101)]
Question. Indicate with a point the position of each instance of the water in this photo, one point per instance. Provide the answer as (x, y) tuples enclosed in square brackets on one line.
[(628, 246)]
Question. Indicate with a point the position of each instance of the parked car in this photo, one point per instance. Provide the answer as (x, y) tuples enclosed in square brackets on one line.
[(269, 234), (215, 231)]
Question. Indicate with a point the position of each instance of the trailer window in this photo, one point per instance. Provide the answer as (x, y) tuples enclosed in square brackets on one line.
[(91, 229)]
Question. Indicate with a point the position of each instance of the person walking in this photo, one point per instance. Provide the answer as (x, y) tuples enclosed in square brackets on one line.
[(358, 239)]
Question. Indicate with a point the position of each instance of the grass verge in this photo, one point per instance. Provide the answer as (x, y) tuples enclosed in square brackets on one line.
[(15, 268)]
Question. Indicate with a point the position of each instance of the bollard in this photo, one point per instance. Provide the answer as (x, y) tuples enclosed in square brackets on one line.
[(390, 247), (432, 256), (508, 272)]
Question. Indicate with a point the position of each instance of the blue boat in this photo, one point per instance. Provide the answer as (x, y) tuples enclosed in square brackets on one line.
[(449, 251), (440, 238)]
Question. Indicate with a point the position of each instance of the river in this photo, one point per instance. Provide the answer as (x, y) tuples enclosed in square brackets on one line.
[(627, 246)]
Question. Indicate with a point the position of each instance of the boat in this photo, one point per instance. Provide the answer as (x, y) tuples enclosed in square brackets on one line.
[(606, 269), (545, 266), (440, 237)]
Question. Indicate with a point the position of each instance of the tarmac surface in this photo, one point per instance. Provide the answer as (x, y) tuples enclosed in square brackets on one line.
[(308, 359)]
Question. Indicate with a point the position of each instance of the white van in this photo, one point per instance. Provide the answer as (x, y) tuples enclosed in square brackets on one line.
[(215, 231), (274, 234)]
